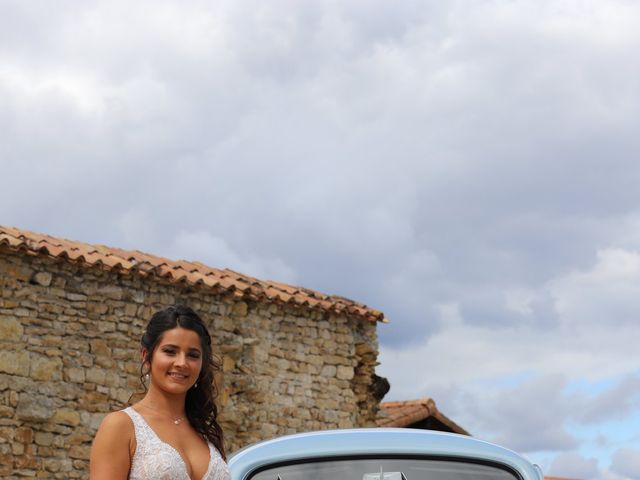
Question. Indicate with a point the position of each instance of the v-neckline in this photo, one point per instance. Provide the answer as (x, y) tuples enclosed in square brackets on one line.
[(184, 462)]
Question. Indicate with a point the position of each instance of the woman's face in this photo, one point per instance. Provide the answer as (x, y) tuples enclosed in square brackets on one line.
[(176, 361)]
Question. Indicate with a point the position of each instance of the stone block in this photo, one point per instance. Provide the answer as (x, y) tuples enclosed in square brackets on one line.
[(78, 438), (132, 368), (99, 308), (23, 435), (17, 448), (345, 373), (316, 360), (93, 420), (336, 359), (130, 310), (80, 465), (34, 408), (51, 465), (120, 394), (79, 452), (234, 349), (6, 465), (100, 348), (111, 291), (268, 430), (363, 349), (45, 368), (27, 462), (95, 375), (15, 363), (21, 312), (6, 412), (345, 423), (112, 379), (19, 272), (328, 371), (8, 303), (228, 364), (6, 434), (65, 416), (11, 329), (282, 364), (240, 309), (75, 375), (76, 297), (44, 439), (106, 327), (85, 360)]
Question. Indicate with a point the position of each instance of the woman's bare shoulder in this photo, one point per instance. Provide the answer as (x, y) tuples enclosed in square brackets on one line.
[(118, 421), (113, 447), (116, 427)]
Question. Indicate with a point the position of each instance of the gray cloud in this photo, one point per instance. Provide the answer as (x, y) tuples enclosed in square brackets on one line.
[(576, 466), (531, 413), (527, 417), (614, 403), (626, 462), (534, 425)]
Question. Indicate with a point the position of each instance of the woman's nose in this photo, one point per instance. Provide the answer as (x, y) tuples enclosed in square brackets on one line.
[(181, 359)]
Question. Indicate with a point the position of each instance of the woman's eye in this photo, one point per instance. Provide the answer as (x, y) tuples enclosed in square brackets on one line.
[(194, 355), (169, 351)]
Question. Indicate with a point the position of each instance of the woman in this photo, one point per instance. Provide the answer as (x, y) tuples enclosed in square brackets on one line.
[(172, 433)]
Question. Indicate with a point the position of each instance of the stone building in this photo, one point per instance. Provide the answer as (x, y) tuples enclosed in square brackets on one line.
[(71, 315)]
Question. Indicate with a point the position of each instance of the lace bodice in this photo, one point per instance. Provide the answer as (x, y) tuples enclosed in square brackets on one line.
[(157, 460)]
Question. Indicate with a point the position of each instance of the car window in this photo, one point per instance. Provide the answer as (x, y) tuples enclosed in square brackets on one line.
[(386, 469)]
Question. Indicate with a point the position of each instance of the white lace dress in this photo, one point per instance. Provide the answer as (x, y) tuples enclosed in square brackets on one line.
[(157, 460)]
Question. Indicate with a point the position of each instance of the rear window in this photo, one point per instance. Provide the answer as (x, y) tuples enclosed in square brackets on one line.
[(386, 469)]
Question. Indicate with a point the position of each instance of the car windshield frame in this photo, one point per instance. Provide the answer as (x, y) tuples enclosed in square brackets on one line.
[(515, 475)]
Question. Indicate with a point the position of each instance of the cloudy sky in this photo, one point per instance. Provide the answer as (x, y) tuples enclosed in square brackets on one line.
[(469, 167)]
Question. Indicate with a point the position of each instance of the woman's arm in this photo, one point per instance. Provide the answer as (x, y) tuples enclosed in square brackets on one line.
[(112, 448)]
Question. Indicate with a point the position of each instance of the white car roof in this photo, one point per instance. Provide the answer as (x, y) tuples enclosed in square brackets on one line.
[(375, 441)]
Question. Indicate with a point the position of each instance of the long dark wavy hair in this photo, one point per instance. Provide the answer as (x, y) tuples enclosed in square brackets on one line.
[(200, 406)]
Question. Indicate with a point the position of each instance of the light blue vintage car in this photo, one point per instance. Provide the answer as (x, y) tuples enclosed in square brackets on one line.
[(379, 454)]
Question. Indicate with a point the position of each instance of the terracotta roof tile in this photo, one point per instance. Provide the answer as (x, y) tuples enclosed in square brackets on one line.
[(194, 278), (209, 280), (192, 273), (53, 250), (10, 240), (404, 413), (112, 261)]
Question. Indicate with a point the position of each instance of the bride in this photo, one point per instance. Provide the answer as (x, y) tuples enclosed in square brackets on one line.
[(172, 433)]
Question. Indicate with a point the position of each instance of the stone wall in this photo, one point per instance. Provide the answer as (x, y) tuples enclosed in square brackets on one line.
[(69, 353)]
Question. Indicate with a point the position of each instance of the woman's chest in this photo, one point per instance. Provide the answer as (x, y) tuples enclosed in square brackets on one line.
[(154, 458)]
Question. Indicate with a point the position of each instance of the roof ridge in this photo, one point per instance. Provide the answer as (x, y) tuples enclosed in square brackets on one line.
[(402, 413), (191, 272)]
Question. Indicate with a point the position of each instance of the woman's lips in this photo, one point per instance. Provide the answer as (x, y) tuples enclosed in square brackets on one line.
[(180, 377)]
